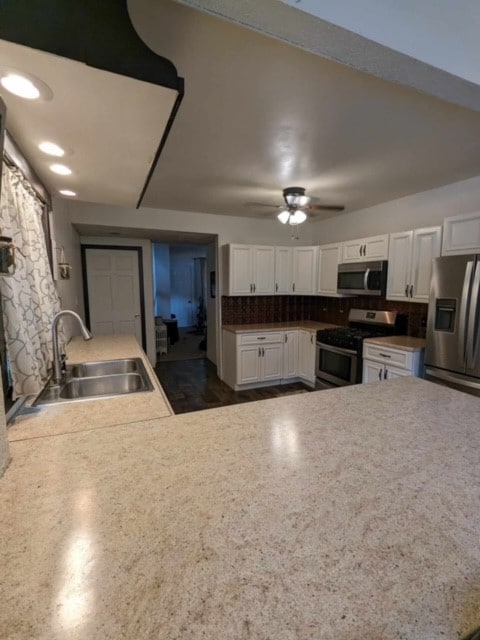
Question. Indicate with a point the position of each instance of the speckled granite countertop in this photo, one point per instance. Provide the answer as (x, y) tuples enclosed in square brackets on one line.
[(345, 514), (92, 414), (404, 342), (306, 325)]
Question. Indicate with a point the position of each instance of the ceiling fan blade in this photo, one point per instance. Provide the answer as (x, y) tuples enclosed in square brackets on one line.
[(325, 207), (262, 204)]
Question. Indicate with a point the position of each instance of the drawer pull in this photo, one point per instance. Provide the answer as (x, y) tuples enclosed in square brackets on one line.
[(384, 355), (261, 337)]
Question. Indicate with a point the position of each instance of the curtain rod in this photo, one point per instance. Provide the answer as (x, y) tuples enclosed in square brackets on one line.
[(14, 157)]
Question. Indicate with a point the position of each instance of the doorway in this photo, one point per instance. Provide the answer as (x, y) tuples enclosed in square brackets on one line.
[(113, 290), (180, 282)]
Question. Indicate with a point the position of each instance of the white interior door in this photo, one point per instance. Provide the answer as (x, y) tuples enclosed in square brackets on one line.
[(113, 282)]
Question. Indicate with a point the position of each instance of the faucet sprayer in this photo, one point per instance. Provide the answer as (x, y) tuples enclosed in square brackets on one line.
[(57, 362)]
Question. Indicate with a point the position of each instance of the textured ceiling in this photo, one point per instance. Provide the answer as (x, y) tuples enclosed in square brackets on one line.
[(259, 115)]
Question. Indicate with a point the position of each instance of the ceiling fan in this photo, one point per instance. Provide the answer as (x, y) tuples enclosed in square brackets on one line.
[(296, 206)]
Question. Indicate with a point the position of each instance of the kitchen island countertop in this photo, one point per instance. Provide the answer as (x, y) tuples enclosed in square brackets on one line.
[(350, 513)]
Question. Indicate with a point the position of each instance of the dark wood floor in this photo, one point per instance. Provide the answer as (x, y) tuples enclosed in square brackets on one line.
[(193, 385)]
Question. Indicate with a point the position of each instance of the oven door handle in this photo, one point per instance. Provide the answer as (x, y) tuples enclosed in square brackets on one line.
[(328, 347), (365, 279)]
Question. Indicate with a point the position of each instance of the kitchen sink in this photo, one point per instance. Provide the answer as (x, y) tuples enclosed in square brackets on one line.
[(90, 380), (106, 367)]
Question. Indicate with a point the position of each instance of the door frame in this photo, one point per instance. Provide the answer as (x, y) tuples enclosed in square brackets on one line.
[(114, 247)]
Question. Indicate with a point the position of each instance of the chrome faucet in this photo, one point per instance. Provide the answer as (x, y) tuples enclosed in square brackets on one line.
[(57, 359)]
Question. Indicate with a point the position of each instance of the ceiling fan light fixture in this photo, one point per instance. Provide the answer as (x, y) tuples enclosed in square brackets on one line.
[(301, 201), (284, 216), (298, 217)]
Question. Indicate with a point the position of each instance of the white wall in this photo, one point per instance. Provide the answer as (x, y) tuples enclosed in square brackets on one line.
[(424, 209), (161, 279), (442, 33), (69, 291), (146, 246)]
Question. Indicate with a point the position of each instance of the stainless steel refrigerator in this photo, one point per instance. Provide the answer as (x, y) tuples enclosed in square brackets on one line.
[(452, 354)]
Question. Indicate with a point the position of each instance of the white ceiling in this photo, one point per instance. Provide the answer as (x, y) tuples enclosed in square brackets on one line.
[(259, 115), (111, 124)]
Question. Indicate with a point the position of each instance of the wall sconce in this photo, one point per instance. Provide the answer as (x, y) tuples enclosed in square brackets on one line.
[(64, 267), (7, 256)]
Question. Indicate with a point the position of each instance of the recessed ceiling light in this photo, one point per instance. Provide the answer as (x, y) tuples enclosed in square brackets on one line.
[(20, 86), (24, 85), (61, 169), (51, 149), (68, 192)]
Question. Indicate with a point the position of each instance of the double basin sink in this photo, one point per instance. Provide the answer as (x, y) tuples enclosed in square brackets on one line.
[(101, 379)]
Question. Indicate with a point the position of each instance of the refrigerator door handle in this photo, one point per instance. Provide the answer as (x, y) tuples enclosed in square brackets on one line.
[(462, 320), (473, 320), (451, 377)]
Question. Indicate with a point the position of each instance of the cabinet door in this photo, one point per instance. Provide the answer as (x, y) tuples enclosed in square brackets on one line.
[(353, 251), (391, 373), (263, 270), (248, 364), (304, 270), (283, 270), (241, 270), (399, 265), (372, 371), (426, 247), (290, 354), (461, 234), (329, 256), (376, 248), (272, 362), (306, 355)]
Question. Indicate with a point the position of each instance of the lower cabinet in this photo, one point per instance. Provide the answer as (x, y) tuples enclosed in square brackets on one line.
[(257, 359), (386, 363)]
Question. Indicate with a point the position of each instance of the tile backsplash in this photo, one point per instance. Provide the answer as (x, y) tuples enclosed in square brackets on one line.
[(245, 310)]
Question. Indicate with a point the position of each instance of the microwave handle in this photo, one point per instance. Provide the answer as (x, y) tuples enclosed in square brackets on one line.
[(365, 279)]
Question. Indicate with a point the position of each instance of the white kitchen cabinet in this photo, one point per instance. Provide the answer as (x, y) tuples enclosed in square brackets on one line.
[(306, 356), (290, 354), (283, 270), (410, 263), (384, 362), (256, 359), (250, 270), (461, 234), (304, 270), (373, 248), (329, 257)]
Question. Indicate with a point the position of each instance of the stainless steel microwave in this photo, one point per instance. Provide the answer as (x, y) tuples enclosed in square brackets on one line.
[(362, 278)]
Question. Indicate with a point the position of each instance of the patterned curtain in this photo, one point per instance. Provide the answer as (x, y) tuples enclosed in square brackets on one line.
[(29, 298)]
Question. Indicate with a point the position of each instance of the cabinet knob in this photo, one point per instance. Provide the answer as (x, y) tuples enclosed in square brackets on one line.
[(406, 290), (379, 374), (411, 291), (293, 286), (385, 373), (276, 287)]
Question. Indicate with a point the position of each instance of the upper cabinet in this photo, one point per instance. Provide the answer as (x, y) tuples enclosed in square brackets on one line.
[(329, 257), (250, 270), (263, 270), (461, 234), (283, 270), (304, 270), (374, 248), (410, 263)]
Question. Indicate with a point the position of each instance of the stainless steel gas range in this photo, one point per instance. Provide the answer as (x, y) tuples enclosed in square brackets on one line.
[(339, 351)]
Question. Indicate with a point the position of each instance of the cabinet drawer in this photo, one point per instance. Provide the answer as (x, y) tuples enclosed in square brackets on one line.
[(387, 355), (261, 338)]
